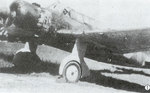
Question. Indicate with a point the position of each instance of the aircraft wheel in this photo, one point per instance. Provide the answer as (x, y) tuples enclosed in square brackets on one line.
[(20, 59), (72, 72), (25, 59)]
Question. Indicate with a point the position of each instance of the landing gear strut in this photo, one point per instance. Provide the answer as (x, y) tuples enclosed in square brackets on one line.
[(73, 67)]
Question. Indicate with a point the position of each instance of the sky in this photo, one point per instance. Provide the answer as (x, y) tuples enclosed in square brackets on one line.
[(111, 14)]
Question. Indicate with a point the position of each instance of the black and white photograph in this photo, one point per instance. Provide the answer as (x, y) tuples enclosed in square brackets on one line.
[(74, 46)]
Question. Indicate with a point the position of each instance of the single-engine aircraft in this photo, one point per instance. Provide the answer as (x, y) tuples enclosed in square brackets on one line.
[(58, 25)]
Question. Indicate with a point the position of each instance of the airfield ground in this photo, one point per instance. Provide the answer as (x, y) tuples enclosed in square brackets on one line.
[(104, 78)]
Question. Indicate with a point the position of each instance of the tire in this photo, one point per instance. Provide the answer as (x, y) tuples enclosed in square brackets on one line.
[(25, 59), (72, 72), (21, 59)]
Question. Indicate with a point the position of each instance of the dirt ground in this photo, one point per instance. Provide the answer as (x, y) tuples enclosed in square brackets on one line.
[(46, 83)]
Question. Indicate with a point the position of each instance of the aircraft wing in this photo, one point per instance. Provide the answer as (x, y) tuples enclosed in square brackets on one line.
[(123, 41)]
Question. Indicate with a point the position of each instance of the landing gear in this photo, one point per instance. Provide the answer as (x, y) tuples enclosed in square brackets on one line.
[(72, 72), (26, 57), (73, 67)]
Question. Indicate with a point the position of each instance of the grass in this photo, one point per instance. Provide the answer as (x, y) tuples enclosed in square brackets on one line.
[(4, 63)]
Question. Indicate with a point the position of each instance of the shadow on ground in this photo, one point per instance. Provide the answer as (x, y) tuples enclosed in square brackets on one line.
[(95, 77), (37, 66), (40, 67), (99, 79)]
